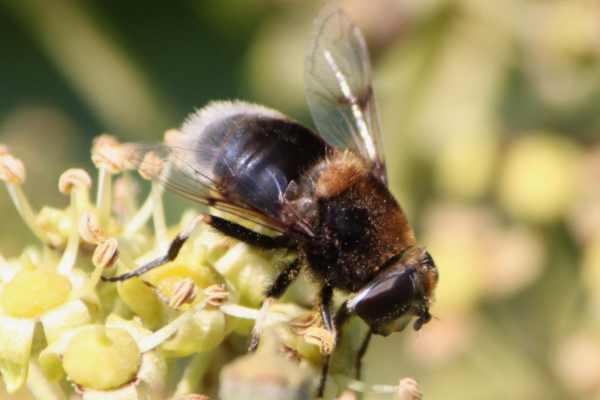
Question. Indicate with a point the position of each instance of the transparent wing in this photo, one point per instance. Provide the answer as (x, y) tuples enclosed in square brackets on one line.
[(178, 170), (339, 90)]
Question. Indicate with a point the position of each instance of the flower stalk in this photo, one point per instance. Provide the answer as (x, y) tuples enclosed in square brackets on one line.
[(12, 173), (75, 183)]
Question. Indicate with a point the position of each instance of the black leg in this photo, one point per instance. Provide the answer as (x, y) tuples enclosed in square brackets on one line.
[(170, 255), (277, 289), (284, 279), (340, 319), (247, 235), (341, 316), (361, 353), (325, 297), (226, 227)]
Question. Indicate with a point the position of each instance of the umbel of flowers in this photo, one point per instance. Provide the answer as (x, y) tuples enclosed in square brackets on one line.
[(168, 334)]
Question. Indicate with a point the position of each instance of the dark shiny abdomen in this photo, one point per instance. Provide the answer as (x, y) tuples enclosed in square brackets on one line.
[(258, 157)]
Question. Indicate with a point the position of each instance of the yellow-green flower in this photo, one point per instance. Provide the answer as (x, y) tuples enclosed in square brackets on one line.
[(116, 360), (104, 340), (42, 288)]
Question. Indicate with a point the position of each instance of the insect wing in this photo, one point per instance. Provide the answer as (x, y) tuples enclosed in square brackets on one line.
[(339, 90), (176, 168)]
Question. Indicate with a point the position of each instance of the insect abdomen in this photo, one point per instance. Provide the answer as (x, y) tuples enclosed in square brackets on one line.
[(257, 157)]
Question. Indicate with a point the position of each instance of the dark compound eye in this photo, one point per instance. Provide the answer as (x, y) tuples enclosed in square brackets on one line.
[(427, 260), (387, 298)]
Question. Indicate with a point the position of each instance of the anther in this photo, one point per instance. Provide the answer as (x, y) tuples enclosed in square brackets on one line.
[(106, 253), (300, 324), (12, 169), (184, 293), (172, 136), (89, 228), (151, 166), (320, 337), (216, 295), (408, 389), (74, 178), (108, 153)]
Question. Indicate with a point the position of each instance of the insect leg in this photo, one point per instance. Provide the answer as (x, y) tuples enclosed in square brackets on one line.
[(361, 353), (169, 255), (277, 289), (284, 279), (325, 297), (247, 235), (341, 317)]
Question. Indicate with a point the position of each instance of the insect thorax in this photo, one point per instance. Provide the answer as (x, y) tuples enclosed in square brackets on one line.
[(357, 228)]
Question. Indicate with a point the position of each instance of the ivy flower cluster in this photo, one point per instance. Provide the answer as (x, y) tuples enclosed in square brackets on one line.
[(179, 331)]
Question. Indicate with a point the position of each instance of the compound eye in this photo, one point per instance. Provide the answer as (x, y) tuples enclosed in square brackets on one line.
[(428, 260), (387, 298)]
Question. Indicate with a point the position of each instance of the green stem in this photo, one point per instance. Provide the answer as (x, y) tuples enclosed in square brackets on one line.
[(67, 261), (25, 211), (191, 380), (158, 217), (143, 215), (155, 339), (103, 198), (40, 387)]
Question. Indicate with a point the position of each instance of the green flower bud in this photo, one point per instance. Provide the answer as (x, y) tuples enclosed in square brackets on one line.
[(32, 292), (204, 331), (102, 358), (249, 270), (142, 300), (168, 278), (213, 244), (55, 223), (16, 336), (266, 375)]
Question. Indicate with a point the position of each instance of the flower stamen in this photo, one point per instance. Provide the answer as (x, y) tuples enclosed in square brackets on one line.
[(89, 228), (300, 324), (12, 170), (106, 253), (142, 216), (12, 173), (184, 293), (74, 179), (109, 157), (216, 295), (320, 337), (171, 136), (76, 183), (406, 389)]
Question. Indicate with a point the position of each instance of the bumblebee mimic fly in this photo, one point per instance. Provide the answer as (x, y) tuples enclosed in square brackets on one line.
[(324, 191)]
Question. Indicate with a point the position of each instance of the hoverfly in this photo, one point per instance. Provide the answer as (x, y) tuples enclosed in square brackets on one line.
[(325, 193)]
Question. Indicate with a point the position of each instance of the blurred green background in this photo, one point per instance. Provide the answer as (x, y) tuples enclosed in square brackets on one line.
[(490, 117)]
